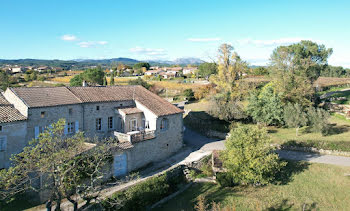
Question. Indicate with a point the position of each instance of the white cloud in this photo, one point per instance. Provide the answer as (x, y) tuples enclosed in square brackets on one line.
[(89, 44), (148, 51), (275, 42), (69, 37), (204, 39)]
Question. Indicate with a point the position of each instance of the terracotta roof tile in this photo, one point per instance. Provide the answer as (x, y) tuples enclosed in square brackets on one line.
[(45, 96), (55, 96), (9, 114), (3, 101)]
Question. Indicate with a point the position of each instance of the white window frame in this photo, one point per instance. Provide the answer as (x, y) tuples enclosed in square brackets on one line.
[(110, 122), (98, 124)]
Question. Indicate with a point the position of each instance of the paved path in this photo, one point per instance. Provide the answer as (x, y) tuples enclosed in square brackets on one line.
[(205, 144)]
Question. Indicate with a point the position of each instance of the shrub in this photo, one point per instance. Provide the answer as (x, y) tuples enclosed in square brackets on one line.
[(189, 94), (225, 179), (318, 120), (142, 195), (249, 157)]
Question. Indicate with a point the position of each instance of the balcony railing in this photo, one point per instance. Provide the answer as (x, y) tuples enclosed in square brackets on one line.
[(135, 136)]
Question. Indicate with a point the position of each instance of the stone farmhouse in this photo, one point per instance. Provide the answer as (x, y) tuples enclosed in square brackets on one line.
[(147, 127)]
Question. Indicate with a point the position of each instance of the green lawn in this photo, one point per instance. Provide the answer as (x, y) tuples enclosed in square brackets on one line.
[(317, 185), (339, 139)]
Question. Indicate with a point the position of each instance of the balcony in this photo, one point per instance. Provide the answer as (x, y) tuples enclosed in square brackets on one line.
[(135, 136)]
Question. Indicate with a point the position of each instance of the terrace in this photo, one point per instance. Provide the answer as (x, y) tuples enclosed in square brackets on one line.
[(135, 136)]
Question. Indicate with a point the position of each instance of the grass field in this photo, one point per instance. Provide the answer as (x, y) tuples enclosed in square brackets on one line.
[(319, 186), (339, 139)]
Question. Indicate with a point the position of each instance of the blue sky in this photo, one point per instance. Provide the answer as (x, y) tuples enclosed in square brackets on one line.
[(169, 29)]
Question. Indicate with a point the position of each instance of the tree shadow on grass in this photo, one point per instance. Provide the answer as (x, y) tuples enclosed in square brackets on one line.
[(287, 172), (283, 206)]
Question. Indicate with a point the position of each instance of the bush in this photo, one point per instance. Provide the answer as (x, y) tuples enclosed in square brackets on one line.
[(225, 180), (318, 120), (143, 195), (189, 94), (249, 158)]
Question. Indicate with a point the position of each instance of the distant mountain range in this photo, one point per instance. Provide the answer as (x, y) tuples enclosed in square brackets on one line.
[(80, 63)]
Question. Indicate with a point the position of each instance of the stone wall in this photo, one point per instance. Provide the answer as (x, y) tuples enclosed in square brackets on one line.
[(15, 133), (52, 115), (106, 109), (166, 143)]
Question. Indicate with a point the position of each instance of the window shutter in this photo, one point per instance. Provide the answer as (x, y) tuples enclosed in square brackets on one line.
[(76, 126), (4, 143), (65, 129), (36, 131)]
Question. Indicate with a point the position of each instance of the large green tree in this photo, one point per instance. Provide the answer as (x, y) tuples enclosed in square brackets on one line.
[(93, 76), (296, 67), (249, 158), (207, 69), (266, 106), (140, 65)]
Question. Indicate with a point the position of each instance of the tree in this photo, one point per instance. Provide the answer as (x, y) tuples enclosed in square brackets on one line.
[(93, 76), (230, 69), (77, 80), (4, 80), (112, 78), (266, 107), (296, 67), (141, 82), (226, 104), (249, 158), (62, 162), (207, 69), (140, 65), (189, 94), (295, 117), (226, 108), (318, 120)]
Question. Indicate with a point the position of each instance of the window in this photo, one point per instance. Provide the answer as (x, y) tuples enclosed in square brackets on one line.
[(42, 114), (70, 111), (147, 124), (110, 122), (98, 124), (71, 127), (3, 143), (97, 108), (133, 125), (164, 124), (0, 128)]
